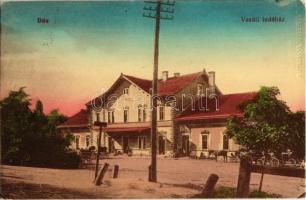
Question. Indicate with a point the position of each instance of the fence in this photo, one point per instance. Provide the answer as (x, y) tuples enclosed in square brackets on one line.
[(246, 168)]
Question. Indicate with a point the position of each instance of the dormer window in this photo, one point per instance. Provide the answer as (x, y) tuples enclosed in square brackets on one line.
[(126, 91)]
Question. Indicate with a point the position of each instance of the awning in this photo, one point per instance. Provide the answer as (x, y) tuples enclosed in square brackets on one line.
[(126, 129)]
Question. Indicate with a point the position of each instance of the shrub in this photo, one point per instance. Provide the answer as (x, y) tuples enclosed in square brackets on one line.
[(71, 160)]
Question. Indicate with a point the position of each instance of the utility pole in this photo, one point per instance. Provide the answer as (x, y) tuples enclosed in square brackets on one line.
[(156, 9), (101, 125)]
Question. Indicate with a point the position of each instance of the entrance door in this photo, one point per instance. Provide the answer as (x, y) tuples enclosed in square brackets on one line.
[(125, 144), (185, 145), (161, 145), (111, 145)]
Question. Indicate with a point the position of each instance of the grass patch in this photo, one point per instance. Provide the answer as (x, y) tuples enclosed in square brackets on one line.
[(229, 192), (258, 194), (225, 192)]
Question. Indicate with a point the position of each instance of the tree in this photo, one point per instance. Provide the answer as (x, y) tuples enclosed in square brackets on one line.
[(55, 118), (39, 108), (15, 120), (296, 139), (268, 124), (27, 137)]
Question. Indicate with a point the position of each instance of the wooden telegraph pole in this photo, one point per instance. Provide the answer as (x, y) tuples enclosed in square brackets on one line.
[(101, 125), (153, 9)]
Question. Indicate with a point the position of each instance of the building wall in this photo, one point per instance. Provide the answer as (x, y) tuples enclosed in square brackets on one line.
[(118, 102), (82, 140), (188, 95), (167, 127), (215, 140)]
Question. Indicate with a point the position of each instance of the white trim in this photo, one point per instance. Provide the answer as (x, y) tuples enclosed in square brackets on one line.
[(134, 83)]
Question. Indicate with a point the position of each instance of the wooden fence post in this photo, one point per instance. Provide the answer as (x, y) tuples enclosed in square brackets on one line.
[(116, 171), (101, 174), (243, 187), (209, 188)]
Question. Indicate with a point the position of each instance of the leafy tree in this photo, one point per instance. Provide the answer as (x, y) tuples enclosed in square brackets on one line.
[(296, 139), (28, 137), (268, 124), (39, 108), (15, 120), (55, 118)]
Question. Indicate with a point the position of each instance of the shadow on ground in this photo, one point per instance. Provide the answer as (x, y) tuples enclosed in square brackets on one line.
[(11, 189)]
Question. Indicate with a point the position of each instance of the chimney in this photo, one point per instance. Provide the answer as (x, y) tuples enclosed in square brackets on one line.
[(211, 82), (165, 75), (176, 74)]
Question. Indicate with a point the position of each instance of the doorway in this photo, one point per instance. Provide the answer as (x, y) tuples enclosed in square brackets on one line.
[(185, 145), (125, 144), (111, 146), (161, 145)]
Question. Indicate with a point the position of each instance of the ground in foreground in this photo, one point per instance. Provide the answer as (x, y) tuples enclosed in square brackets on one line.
[(181, 178)]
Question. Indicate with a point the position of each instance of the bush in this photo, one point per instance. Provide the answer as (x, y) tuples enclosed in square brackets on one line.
[(71, 160)]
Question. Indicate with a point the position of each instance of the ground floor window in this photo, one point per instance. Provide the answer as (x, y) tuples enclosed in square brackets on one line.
[(225, 142), (77, 141), (205, 140), (87, 141), (142, 142)]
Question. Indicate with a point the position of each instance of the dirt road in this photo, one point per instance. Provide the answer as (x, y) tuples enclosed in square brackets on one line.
[(176, 178)]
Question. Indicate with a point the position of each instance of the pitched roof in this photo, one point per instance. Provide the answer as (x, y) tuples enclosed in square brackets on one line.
[(174, 84), (79, 119), (144, 84), (229, 105), (168, 87)]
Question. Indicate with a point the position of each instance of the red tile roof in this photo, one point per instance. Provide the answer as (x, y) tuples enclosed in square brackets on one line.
[(229, 105), (168, 87), (79, 119), (142, 83), (174, 84)]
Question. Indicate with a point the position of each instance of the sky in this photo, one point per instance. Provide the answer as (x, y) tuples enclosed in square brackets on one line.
[(85, 46)]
